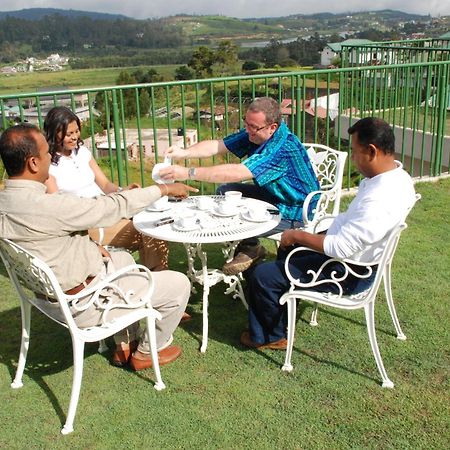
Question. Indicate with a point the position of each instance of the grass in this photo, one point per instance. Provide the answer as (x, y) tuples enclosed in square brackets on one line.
[(73, 79), (231, 398)]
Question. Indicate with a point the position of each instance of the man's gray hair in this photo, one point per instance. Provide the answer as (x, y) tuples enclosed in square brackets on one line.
[(269, 107)]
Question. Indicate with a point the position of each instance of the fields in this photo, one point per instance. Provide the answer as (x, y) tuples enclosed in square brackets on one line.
[(72, 79)]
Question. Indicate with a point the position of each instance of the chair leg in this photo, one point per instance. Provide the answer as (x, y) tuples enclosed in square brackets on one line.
[(291, 310), (159, 385), (370, 321), (26, 322), (78, 355), (102, 347), (313, 320), (390, 301)]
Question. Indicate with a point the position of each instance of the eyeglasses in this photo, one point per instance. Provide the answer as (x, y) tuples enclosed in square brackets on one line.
[(254, 129)]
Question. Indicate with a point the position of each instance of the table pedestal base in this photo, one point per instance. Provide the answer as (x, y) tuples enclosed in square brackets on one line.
[(210, 277)]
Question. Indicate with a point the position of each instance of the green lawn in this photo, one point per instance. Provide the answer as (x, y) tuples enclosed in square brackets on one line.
[(72, 79), (232, 398)]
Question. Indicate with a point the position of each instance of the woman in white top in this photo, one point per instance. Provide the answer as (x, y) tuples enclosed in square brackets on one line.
[(74, 170)]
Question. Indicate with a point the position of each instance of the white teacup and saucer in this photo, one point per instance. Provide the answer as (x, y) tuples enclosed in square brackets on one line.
[(256, 213), (187, 222), (162, 204), (204, 203), (234, 197), (226, 209)]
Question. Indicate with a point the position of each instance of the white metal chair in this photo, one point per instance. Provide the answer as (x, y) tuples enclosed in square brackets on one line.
[(366, 299), (387, 282), (30, 273), (328, 165)]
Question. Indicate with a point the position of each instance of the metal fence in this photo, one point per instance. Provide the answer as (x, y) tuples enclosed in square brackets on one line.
[(318, 105)]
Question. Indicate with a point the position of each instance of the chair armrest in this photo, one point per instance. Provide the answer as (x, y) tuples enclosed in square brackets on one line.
[(108, 282), (317, 277)]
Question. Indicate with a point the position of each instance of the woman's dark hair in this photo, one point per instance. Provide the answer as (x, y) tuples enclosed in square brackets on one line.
[(55, 129)]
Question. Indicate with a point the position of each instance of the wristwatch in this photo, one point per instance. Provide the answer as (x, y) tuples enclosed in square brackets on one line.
[(191, 173)]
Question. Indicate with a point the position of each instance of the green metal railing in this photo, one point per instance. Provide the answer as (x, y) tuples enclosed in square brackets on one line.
[(319, 106)]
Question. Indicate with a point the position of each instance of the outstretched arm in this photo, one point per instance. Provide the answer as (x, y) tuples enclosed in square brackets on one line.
[(178, 190), (203, 149), (222, 173)]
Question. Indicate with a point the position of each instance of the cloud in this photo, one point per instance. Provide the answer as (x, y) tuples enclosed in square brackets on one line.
[(233, 8)]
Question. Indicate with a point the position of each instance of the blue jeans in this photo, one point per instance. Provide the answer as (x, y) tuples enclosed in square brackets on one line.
[(259, 193), (267, 282)]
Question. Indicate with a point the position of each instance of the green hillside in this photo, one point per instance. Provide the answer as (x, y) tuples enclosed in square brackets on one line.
[(223, 26)]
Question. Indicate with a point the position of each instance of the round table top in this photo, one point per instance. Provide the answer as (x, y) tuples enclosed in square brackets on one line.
[(211, 226)]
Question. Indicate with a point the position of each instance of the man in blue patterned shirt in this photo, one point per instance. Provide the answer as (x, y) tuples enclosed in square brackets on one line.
[(276, 161)]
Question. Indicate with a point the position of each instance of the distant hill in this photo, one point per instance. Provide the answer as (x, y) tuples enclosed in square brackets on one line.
[(384, 13), (39, 13)]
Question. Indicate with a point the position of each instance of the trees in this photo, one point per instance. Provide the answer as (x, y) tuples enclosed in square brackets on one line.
[(183, 73), (226, 53), (250, 65), (202, 61), (206, 62), (127, 97)]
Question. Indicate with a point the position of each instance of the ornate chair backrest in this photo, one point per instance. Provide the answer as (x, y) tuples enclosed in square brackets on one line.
[(28, 271), (328, 165)]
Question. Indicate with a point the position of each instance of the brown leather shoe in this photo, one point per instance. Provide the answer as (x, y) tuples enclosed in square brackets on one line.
[(276, 345), (244, 257), (122, 353), (141, 361), (185, 317)]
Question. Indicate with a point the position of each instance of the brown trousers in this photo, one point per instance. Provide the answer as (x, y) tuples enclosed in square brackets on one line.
[(153, 253)]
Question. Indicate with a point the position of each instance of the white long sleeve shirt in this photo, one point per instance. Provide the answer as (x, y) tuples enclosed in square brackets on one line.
[(380, 204)]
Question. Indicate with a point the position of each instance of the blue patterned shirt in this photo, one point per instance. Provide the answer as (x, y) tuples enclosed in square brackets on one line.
[(281, 166)]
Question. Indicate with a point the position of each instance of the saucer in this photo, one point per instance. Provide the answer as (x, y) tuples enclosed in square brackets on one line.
[(218, 213), (194, 226), (266, 217), (161, 209)]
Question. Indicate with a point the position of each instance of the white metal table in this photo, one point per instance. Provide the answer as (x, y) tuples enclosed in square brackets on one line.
[(210, 227)]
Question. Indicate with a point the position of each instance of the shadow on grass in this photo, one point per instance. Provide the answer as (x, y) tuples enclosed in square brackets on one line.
[(50, 350), (228, 318), (362, 323)]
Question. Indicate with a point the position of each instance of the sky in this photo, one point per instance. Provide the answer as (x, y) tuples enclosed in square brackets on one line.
[(145, 9)]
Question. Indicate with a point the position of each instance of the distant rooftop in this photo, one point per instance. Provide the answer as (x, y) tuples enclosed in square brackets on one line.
[(337, 46)]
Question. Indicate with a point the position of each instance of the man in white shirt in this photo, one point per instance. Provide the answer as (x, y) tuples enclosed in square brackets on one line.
[(383, 200)]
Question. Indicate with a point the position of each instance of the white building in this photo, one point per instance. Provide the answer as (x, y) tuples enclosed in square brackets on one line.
[(334, 50)]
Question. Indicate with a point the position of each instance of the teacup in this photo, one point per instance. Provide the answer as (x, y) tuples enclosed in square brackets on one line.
[(226, 207), (204, 203), (257, 212), (233, 197), (186, 221), (161, 203)]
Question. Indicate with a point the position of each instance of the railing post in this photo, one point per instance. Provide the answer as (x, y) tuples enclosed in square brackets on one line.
[(116, 122)]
